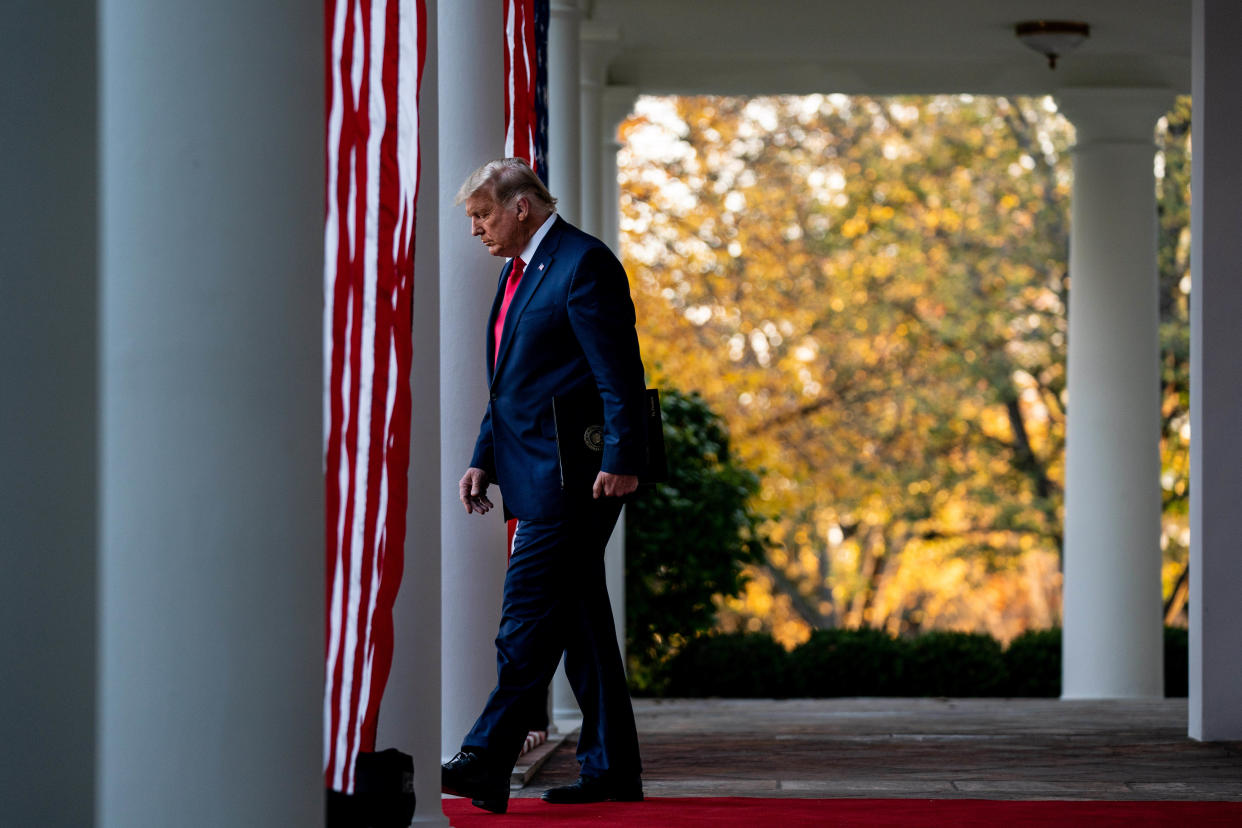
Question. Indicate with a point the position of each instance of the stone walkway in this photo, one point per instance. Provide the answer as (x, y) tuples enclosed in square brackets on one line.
[(920, 748)]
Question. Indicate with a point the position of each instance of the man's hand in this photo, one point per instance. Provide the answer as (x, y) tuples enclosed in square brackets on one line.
[(613, 485), (473, 491)]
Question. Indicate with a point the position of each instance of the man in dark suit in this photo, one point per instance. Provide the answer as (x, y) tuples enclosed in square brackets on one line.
[(562, 321)]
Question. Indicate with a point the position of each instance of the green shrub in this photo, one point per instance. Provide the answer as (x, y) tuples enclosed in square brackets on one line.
[(954, 664), (1033, 664), (1176, 662), (841, 662), (733, 665), (844, 662), (686, 540)]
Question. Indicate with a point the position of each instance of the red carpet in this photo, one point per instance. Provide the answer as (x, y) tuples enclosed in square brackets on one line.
[(803, 813)]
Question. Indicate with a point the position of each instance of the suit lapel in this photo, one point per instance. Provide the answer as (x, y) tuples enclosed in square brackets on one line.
[(536, 269)]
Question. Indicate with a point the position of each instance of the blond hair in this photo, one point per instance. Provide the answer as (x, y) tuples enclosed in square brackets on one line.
[(507, 179)]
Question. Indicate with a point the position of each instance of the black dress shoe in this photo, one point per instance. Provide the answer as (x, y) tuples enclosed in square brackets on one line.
[(468, 774), (597, 789)]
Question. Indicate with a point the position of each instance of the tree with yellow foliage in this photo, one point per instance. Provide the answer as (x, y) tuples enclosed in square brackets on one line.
[(873, 293)]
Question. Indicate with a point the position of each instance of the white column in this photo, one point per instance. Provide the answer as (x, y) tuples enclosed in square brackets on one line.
[(590, 126), (410, 714), (1216, 375), (596, 45), (565, 182), (473, 558), (48, 395), (614, 575), (1112, 611), (564, 127), (618, 103), (212, 446), (613, 104)]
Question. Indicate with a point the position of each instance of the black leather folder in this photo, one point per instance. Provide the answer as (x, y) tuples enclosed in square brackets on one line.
[(579, 418)]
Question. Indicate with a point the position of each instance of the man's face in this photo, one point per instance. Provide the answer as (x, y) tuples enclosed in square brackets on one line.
[(502, 229)]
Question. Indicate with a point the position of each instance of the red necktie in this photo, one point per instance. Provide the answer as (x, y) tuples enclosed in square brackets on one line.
[(511, 286)]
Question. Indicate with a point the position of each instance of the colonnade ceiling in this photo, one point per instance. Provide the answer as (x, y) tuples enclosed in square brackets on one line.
[(751, 47)]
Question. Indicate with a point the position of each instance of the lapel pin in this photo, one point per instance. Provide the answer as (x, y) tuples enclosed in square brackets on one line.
[(541, 267)]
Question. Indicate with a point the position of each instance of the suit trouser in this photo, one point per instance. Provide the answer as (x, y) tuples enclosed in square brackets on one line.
[(556, 601)]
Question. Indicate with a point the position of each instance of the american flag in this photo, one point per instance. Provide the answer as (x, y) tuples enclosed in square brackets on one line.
[(526, 96), (375, 50), (526, 136), (526, 82)]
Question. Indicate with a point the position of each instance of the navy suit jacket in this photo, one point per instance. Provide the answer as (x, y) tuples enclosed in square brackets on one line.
[(570, 323)]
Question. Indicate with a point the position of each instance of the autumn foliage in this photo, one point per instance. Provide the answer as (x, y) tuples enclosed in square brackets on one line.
[(872, 293)]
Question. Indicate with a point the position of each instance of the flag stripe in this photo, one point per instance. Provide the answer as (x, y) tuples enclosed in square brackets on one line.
[(526, 115), (335, 35), (525, 81), (539, 47), (376, 52), (337, 316), (510, 28)]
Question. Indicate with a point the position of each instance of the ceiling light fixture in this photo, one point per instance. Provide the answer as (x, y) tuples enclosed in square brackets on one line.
[(1052, 38)]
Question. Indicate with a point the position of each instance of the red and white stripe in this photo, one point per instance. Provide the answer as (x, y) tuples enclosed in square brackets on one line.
[(520, 80), (375, 53), (520, 109)]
